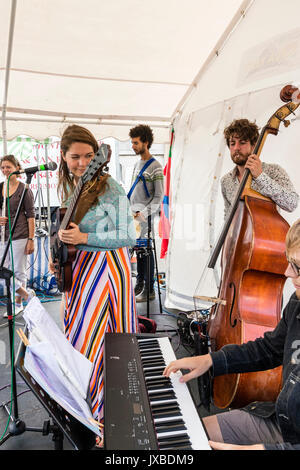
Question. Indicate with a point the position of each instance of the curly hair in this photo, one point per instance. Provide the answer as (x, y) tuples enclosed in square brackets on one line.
[(144, 132), (243, 129)]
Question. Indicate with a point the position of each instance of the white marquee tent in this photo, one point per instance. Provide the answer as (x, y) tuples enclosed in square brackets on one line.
[(261, 56), (194, 64), (104, 62)]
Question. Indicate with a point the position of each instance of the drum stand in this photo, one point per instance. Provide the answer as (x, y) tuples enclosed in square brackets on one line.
[(146, 250), (149, 248)]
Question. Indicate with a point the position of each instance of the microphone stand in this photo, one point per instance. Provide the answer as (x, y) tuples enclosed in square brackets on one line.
[(17, 426)]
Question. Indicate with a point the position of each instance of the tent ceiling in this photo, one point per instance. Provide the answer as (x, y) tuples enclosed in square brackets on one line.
[(121, 61)]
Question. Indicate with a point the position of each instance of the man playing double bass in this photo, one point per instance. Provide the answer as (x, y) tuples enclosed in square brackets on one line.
[(268, 179), (260, 425)]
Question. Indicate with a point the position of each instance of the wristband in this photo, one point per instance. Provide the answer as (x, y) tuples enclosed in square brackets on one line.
[(31, 239)]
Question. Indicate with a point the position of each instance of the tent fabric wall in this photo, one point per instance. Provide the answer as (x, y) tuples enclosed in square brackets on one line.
[(244, 81), (104, 64)]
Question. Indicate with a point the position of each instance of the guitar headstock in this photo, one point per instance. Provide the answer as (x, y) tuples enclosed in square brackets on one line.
[(98, 163), (290, 95)]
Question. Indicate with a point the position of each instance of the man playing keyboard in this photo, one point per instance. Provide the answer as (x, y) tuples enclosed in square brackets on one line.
[(259, 426)]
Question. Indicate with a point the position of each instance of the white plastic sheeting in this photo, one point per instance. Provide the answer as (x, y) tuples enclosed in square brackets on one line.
[(261, 56), (104, 63), (108, 64)]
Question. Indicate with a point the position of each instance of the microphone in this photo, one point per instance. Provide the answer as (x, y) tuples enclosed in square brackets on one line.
[(34, 169)]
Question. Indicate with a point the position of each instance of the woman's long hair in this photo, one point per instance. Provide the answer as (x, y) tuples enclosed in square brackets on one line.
[(75, 133)]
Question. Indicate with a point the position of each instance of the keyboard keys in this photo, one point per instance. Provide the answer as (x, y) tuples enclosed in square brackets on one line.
[(163, 400), (166, 405)]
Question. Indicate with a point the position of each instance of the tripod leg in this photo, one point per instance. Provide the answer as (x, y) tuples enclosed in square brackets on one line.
[(147, 283), (12, 352), (58, 438), (156, 269), (148, 266)]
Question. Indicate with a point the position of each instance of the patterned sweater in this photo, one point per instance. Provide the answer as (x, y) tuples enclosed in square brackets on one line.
[(109, 224), (273, 182), (154, 177)]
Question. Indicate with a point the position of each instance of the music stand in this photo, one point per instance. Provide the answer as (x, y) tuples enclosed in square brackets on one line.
[(80, 437)]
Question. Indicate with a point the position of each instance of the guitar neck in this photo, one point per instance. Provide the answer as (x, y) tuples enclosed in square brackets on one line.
[(69, 213)]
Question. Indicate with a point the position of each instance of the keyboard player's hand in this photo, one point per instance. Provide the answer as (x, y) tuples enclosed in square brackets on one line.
[(197, 365)]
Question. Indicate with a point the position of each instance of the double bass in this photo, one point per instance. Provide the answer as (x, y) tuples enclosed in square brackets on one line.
[(253, 263)]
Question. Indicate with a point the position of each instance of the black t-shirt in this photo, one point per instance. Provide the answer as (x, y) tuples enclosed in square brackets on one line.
[(27, 211)]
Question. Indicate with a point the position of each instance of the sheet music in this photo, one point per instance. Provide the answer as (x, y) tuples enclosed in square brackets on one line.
[(62, 371)]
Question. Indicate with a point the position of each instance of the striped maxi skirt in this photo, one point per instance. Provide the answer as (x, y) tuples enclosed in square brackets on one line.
[(100, 300)]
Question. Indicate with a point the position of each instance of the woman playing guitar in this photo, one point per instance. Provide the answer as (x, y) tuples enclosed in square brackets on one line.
[(100, 298)]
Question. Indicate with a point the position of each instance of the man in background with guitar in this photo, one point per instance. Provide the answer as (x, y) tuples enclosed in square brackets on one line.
[(268, 179), (145, 196)]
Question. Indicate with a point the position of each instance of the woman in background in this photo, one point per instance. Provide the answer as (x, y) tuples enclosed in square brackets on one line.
[(23, 236), (101, 298)]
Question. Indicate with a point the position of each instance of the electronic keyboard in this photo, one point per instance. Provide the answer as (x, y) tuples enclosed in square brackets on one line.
[(143, 410)]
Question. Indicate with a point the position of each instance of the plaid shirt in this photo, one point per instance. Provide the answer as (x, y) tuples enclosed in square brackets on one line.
[(273, 182)]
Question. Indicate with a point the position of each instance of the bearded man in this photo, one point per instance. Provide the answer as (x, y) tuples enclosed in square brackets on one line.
[(268, 179)]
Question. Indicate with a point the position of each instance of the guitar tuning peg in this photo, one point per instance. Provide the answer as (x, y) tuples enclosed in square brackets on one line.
[(286, 123)]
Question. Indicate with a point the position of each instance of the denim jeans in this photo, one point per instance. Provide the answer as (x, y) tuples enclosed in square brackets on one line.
[(142, 273)]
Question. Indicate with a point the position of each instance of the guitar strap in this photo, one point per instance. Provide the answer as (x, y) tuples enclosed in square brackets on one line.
[(140, 177), (87, 199), (89, 196)]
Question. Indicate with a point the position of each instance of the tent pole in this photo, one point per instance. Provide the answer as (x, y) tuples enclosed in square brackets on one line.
[(48, 192), (98, 117), (79, 121), (7, 71), (39, 189)]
